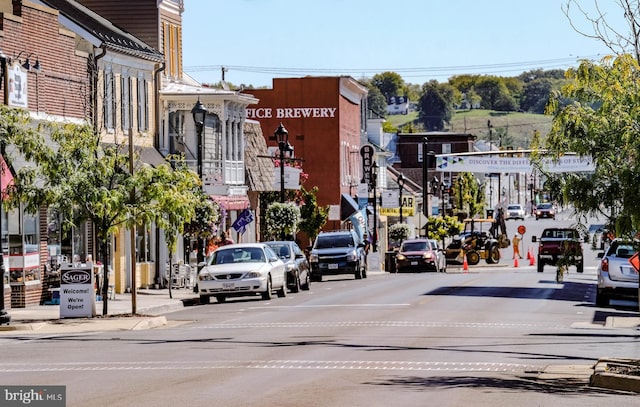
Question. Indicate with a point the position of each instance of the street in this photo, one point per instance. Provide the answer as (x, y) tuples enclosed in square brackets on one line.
[(484, 337)]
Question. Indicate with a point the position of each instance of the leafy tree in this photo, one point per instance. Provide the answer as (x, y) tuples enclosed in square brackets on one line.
[(376, 100), (83, 180), (495, 94), (535, 95), (601, 121), (314, 217), (440, 227), (282, 220), (389, 83), (399, 232), (469, 194), (436, 105)]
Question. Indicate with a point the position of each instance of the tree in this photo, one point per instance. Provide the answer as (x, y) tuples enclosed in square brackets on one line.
[(601, 121), (602, 28), (469, 194), (535, 95), (376, 100), (436, 105), (314, 217), (282, 220), (495, 94), (389, 83), (81, 179)]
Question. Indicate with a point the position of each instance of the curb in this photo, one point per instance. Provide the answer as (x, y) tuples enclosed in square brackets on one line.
[(605, 375)]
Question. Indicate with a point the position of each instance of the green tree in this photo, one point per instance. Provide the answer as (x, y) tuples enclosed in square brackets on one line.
[(601, 121), (282, 220), (314, 217), (469, 195), (536, 95), (81, 179), (376, 100), (495, 94), (436, 105), (389, 83)]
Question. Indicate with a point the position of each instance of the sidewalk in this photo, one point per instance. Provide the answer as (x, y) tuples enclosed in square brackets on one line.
[(150, 307)]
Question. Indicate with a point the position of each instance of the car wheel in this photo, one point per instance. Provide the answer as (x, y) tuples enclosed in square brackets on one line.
[(204, 299), (540, 266), (295, 287), (282, 292), (266, 295), (358, 273), (307, 282), (221, 298)]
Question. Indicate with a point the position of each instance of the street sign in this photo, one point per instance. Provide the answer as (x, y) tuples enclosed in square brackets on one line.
[(635, 262), (522, 229)]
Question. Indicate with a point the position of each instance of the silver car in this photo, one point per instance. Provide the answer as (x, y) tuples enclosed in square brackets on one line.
[(242, 269), (616, 276)]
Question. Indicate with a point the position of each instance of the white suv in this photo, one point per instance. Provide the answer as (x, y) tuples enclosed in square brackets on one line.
[(515, 211)]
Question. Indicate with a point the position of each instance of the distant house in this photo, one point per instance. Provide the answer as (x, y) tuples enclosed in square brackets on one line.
[(398, 105)]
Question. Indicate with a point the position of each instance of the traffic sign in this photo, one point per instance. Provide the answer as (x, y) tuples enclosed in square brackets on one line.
[(635, 262), (522, 229)]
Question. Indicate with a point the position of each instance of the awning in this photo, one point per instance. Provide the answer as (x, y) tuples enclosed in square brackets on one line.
[(6, 177), (232, 202), (150, 155)]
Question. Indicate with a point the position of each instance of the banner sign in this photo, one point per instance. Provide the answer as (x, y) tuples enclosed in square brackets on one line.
[(473, 163)]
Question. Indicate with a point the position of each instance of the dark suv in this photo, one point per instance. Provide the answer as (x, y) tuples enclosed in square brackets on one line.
[(338, 252)]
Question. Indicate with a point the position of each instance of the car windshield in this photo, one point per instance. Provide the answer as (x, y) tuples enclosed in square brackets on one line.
[(238, 255), (544, 206), (326, 242), (282, 250), (514, 207), (414, 247)]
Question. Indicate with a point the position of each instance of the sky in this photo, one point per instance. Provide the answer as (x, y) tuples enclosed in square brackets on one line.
[(422, 40)]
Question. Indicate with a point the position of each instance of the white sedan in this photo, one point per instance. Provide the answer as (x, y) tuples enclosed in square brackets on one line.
[(242, 269)]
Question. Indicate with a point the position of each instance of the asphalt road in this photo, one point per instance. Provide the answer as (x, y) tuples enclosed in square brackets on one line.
[(486, 337)]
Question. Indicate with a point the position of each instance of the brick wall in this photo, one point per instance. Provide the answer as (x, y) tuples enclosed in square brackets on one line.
[(61, 88)]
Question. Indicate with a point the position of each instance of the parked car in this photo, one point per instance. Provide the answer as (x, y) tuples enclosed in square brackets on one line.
[(295, 262), (617, 278), (338, 252), (545, 210), (514, 211), (419, 255), (242, 269)]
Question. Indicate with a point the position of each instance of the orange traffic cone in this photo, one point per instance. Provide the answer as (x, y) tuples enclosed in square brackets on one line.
[(529, 254), (532, 259), (515, 262), (465, 265)]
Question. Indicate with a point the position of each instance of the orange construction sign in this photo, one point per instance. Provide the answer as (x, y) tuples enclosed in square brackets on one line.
[(635, 262)]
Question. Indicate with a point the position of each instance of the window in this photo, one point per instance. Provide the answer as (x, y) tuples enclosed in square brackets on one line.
[(143, 244), (143, 105), (127, 102), (172, 36), (109, 102)]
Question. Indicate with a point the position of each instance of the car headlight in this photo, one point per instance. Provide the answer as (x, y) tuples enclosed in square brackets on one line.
[(205, 277), (352, 256), (290, 267), (400, 257), (252, 274), (428, 255), (313, 258)]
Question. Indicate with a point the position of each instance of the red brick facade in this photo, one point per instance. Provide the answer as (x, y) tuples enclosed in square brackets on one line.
[(324, 128), (62, 86)]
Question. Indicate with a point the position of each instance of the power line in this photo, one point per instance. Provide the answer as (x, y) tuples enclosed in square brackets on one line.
[(408, 72)]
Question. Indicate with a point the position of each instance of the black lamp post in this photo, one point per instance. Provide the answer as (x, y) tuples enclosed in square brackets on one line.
[(401, 181), (199, 114), (374, 186), (282, 136)]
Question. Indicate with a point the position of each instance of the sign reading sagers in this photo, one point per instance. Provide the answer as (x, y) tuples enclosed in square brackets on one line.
[(77, 296)]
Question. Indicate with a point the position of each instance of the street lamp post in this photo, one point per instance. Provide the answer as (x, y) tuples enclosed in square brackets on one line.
[(374, 186), (401, 181), (282, 136), (199, 114)]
